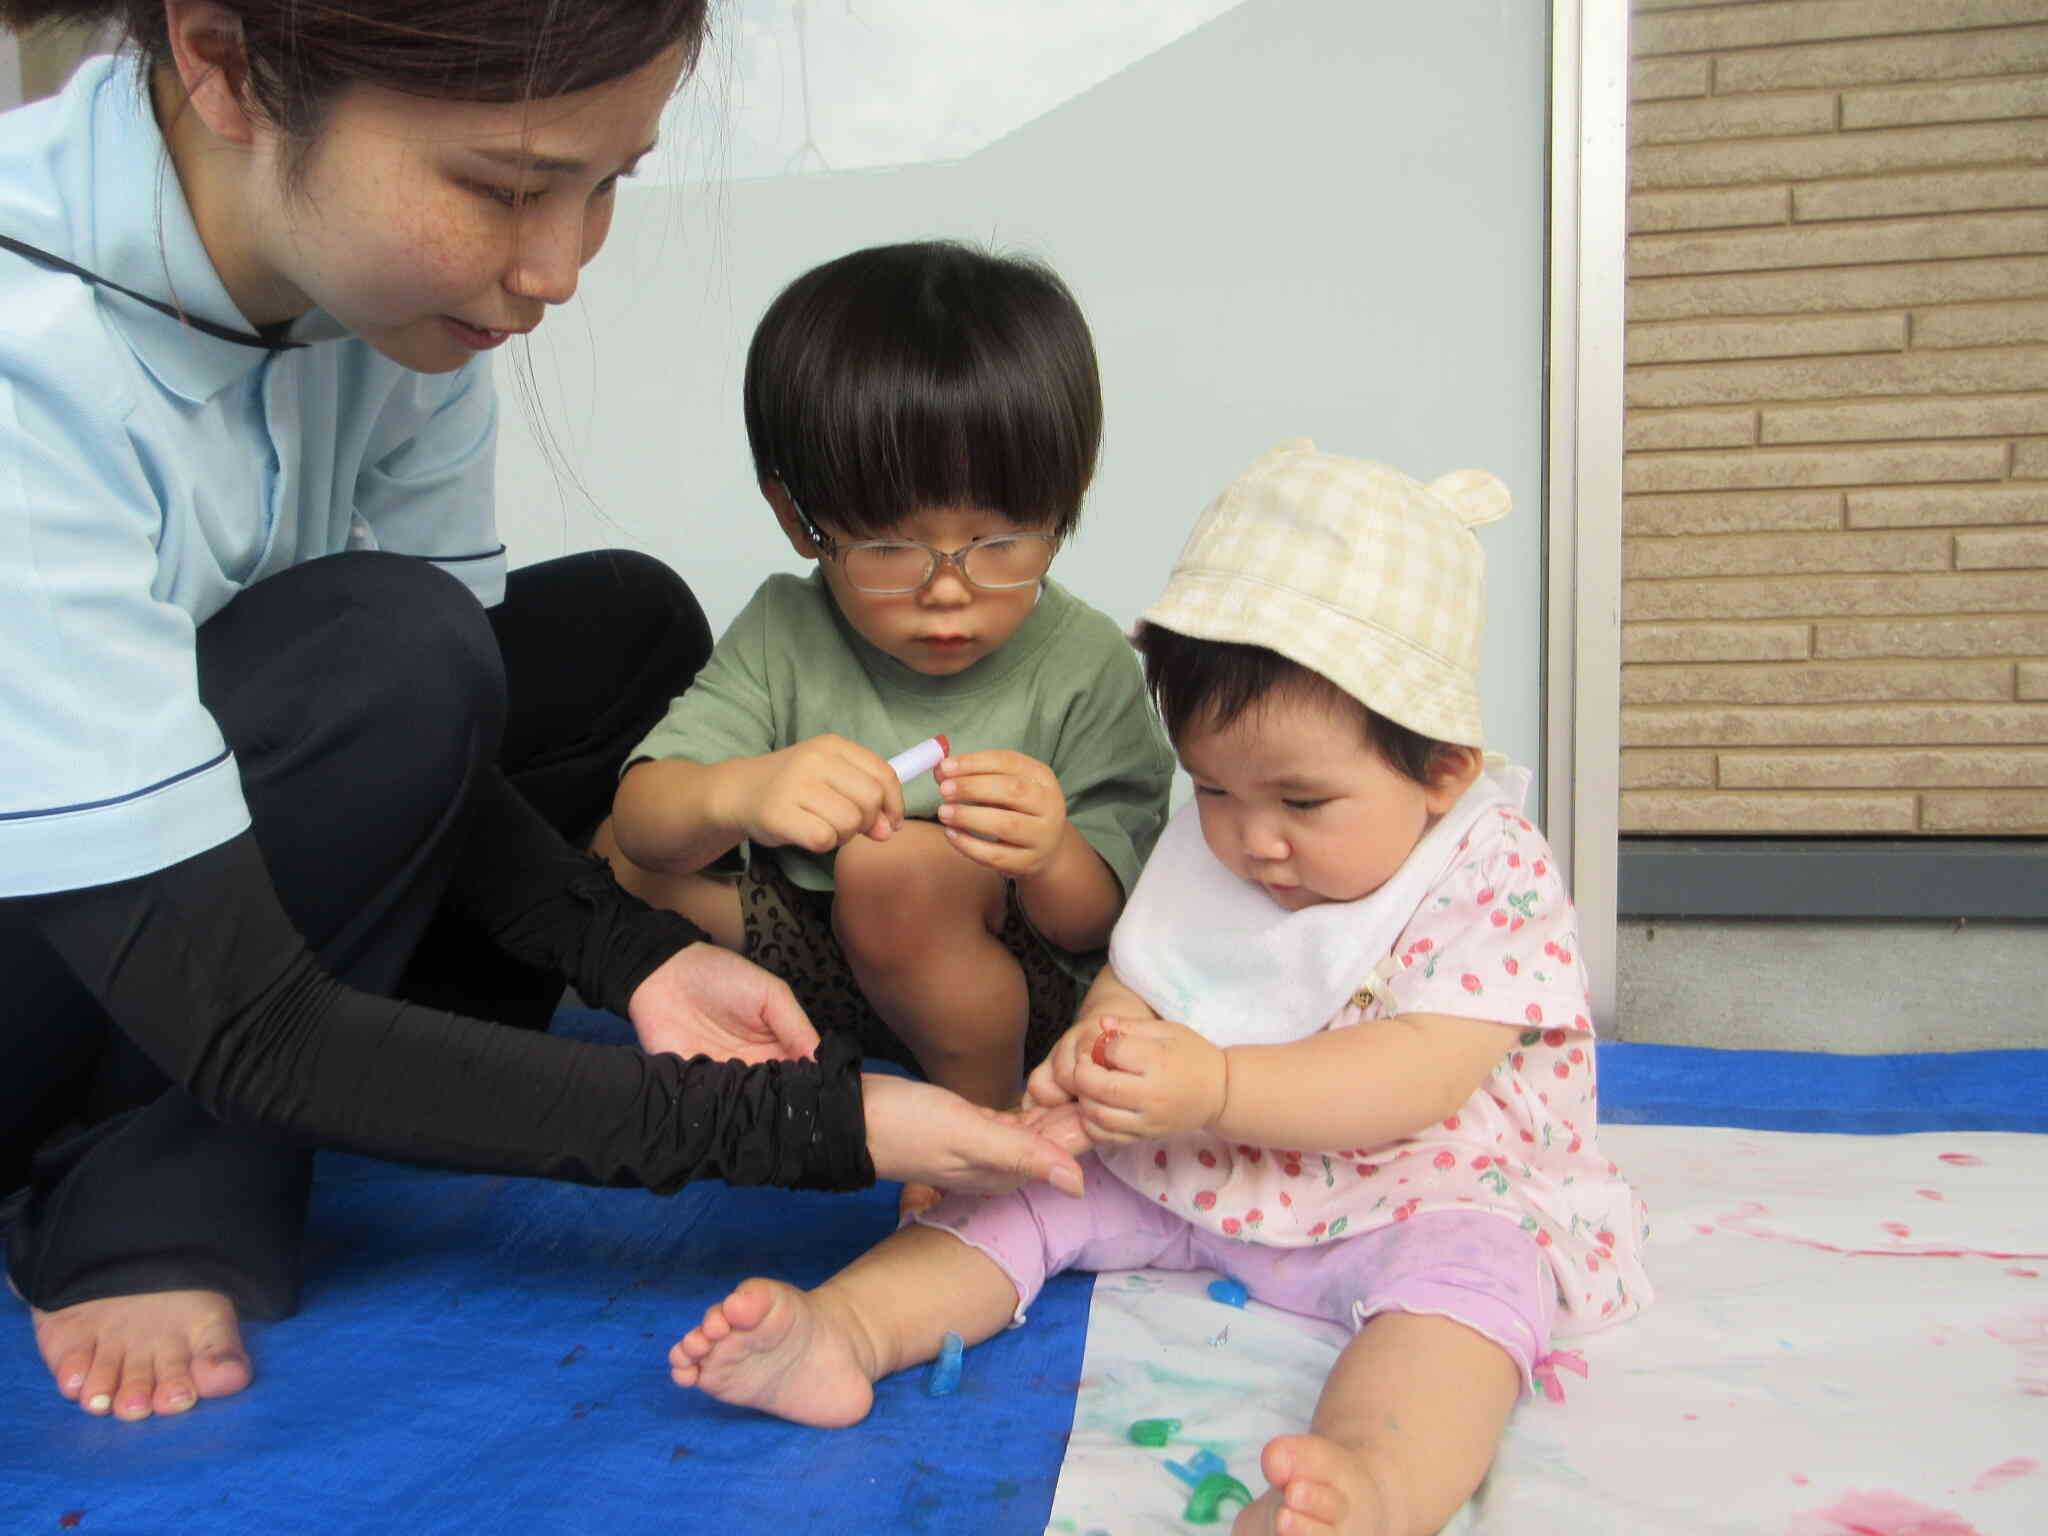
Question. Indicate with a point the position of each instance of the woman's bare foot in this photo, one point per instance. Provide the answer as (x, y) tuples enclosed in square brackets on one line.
[(1319, 1488), (132, 1356), (787, 1352)]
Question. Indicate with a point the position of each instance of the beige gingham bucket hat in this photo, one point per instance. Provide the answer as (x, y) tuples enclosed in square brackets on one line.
[(1372, 579)]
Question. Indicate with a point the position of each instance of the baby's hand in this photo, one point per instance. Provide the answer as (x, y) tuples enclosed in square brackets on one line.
[(1141, 1079), (1003, 810), (1052, 1081), (818, 794)]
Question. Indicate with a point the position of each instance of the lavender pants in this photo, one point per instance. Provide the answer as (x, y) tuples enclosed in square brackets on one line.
[(1477, 1269)]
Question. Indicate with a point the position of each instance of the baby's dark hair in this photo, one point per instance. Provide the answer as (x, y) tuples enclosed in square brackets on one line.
[(925, 375), (1207, 684)]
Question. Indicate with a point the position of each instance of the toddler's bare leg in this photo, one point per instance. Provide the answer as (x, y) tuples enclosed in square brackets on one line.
[(1407, 1425), (814, 1356), (709, 902), (918, 923)]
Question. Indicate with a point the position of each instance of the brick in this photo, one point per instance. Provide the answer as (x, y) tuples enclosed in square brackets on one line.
[(1719, 340), (1730, 117), (1661, 79), (1643, 430), (1642, 643), (1884, 61), (2020, 550), (1982, 325), (1667, 770), (1808, 21), (1973, 416), (1833, 597), (1996, 370), (1668, 167), (1816, 682), (2033, 680), (1834, 725), (1813, 466), (1968, 638), (1839, 245), (2006, 813), (1730, 512), (1728, 811), (1768, 554), (1920, 768), (2030, 461), (1894, 196), (1772, 293), (1931, 506), (1968, 102), (1653, 211)]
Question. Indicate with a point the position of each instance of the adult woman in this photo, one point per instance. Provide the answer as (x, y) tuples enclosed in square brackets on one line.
[(269, 769)]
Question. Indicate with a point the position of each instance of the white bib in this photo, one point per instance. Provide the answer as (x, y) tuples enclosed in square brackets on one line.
[(1213, 952)]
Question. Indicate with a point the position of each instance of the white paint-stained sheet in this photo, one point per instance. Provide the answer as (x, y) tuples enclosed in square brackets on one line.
[(1850, 1338)]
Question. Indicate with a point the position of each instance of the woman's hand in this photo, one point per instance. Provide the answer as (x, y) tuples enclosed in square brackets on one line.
[(707, 1001), (922, 1133), (1140, 1079)]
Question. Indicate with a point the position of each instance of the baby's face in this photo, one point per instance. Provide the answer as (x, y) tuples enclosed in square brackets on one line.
[(1295, 800), (948, 624)]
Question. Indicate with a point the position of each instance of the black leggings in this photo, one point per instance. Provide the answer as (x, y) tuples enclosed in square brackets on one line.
[(361, 694)]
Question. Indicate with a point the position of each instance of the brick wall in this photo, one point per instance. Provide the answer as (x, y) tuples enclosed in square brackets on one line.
[(1835, 552)]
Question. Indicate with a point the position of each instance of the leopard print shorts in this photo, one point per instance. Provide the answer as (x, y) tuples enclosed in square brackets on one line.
[(789, 932)]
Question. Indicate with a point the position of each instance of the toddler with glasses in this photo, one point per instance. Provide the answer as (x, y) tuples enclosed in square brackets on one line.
[(1341, 1049), (924, 421)]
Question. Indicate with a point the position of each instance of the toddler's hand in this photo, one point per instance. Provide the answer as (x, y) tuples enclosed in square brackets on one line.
[(1003, 810), (818, 794), (1141, 1079)]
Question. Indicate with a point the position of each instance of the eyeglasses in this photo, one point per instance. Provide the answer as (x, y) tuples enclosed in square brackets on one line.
[(887, 567)]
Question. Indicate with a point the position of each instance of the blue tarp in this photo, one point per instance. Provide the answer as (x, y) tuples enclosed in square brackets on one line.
[(488, 1355)]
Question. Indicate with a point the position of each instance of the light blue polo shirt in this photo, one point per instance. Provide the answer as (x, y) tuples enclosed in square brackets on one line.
[(149, 472)]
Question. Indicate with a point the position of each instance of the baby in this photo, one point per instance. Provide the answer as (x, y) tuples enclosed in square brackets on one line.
[(1342, 1049), (924, 422)]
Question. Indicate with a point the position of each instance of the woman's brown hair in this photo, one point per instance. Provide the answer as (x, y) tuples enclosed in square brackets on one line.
[(302, 54)]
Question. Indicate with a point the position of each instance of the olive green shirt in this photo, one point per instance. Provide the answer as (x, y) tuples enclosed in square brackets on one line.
[(1067, 689)]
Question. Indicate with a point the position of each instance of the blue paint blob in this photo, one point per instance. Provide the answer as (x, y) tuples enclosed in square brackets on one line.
[(944, 1378), (1228, 1291)]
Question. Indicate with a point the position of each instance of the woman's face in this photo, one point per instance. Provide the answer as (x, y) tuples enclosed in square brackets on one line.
[(436, 229)]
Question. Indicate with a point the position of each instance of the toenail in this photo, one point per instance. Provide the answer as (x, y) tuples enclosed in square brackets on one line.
[(101, 1403)]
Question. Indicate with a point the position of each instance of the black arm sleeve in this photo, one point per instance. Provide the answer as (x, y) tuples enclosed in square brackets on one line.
[(546, 903), (199, 964)]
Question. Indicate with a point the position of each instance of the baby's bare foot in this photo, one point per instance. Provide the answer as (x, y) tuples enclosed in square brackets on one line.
[(132, 1356), (1318, 1488), (773, 1347)]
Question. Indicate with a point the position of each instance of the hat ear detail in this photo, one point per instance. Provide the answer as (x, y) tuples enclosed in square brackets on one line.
[(1475, 496)]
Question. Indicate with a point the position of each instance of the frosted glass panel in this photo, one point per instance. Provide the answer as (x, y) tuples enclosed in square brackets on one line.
[(1287, 217), (848, 85)]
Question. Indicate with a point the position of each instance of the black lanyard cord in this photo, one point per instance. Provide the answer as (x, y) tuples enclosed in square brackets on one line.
[(206, 327)]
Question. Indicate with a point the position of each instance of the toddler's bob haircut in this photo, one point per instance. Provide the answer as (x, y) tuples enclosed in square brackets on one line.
[(934, 374), (1207, 684)]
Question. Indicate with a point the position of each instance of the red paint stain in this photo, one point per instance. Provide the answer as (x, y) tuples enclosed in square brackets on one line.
[(572, 1357), (2005, 1472), (1743, 1220), (1928, 1194), (1882, 1513), (1962, 1160), (1897, 1228), (69, 1518), (2026, 1330), (1801, 1479), (2024, 1274)]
